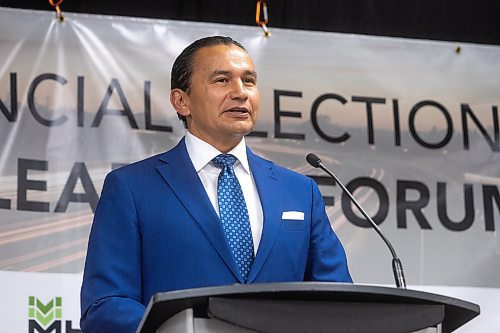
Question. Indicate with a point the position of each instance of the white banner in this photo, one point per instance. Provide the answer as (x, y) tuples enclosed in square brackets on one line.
[(410, 126)]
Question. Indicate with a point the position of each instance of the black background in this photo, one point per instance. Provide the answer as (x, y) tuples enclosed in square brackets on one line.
[(448, 20)]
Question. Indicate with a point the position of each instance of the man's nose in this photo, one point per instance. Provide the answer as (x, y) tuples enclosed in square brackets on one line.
[(238, 90)]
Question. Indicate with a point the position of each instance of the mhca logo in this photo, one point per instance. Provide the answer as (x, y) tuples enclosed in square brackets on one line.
[(46, 317)]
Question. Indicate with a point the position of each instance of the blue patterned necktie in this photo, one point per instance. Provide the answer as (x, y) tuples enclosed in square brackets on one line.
[(234, 214)]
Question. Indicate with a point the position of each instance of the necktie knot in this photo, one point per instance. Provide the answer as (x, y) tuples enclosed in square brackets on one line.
[(224, 160)]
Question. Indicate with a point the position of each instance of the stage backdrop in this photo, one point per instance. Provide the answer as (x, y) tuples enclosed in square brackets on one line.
[(410, 126)]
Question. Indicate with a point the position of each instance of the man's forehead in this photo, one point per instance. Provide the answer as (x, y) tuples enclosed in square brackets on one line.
[(215, 54)]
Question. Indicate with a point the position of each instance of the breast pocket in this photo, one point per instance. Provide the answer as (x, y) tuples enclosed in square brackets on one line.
[(293, 225)]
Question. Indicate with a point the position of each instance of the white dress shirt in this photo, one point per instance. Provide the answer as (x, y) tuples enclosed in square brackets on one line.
[(201, 155)]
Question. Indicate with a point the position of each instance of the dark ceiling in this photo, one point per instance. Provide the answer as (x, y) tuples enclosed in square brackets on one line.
[(449, 20)]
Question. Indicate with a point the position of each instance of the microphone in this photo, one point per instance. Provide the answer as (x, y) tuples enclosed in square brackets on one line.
[(397, 267)]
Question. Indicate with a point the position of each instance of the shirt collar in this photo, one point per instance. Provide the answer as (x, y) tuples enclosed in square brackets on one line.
[(201, 153)]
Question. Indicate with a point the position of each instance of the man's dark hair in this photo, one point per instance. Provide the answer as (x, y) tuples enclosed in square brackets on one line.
[(183, 67)]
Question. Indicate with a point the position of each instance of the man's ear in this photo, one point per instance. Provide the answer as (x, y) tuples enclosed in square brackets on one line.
[(180, 101)]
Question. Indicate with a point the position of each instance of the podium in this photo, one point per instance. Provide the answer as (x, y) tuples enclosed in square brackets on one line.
[(304, 307)]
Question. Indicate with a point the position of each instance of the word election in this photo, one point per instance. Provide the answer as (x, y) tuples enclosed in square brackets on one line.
[(404, 201), (468, 117)]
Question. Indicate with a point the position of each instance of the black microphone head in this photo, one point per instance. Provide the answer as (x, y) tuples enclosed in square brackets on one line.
[(313, 160)]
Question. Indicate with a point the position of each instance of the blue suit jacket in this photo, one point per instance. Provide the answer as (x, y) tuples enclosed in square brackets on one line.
[(155, 230)]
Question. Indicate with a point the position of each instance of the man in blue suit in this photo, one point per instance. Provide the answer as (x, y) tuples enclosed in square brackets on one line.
[(159, 223)]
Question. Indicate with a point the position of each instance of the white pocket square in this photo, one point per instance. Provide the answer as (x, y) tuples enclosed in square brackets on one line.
[(292, 215)]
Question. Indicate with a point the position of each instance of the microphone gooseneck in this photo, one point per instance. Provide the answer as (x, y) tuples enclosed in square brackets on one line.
[(397, 267)]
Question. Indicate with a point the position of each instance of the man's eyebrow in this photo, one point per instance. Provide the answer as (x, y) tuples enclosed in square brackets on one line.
[(252, 73), (228, 73), (219, 72)]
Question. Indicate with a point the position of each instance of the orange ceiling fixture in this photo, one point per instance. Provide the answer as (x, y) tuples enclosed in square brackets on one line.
[(261, 17), (56, 4)]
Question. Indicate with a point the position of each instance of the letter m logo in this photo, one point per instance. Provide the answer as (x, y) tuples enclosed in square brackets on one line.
[(43, 316)]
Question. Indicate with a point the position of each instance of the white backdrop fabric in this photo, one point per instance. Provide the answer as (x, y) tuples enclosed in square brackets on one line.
[(411, 126)]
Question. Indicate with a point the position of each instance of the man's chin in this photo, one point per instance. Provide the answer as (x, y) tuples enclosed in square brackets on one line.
[(244, 132), (242, 128)]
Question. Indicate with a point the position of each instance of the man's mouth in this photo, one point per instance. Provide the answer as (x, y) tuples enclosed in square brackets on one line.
[(238, 110)]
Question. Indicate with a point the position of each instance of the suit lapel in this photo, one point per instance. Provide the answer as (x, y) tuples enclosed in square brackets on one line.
[(269, 192), (178, 171)]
